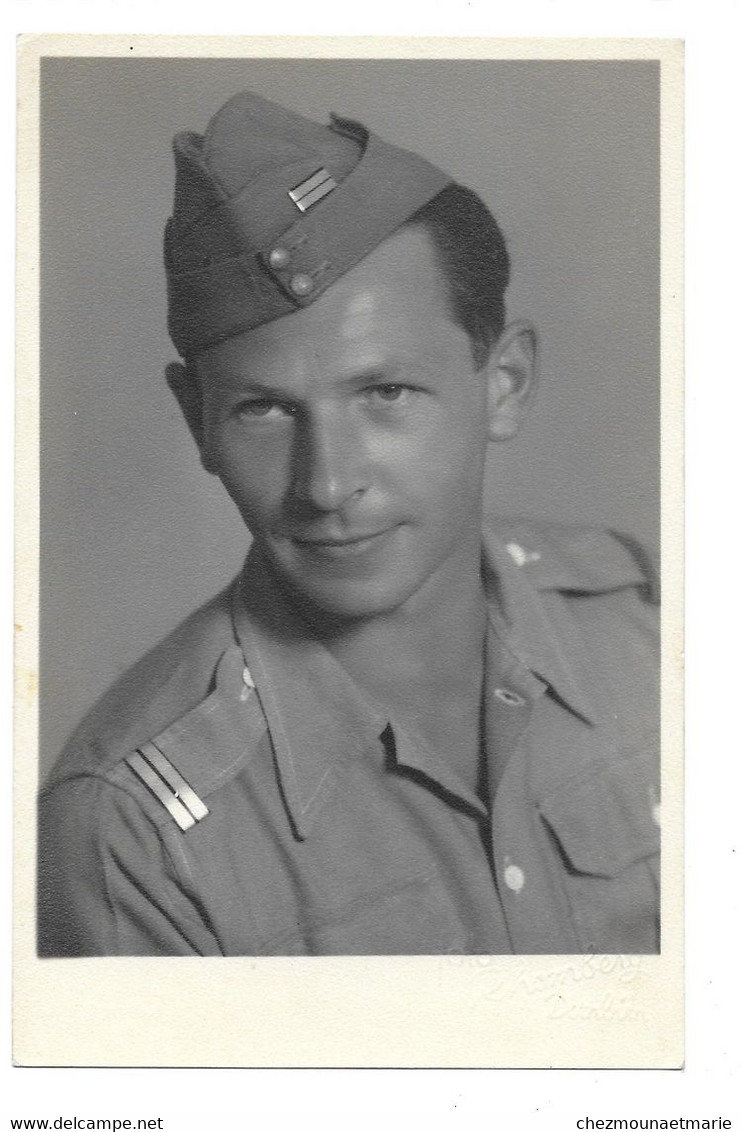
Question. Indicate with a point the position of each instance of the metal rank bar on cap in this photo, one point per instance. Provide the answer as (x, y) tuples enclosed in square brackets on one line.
[(313, 189), (168, 786)]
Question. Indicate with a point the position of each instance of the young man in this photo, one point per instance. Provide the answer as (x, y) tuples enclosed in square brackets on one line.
[(393, 734)]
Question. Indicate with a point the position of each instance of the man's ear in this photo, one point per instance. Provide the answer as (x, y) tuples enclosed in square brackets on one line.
[(512, 375), (184, 383)]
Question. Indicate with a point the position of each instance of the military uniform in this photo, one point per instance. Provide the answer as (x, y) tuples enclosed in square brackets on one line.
[(237, 794)]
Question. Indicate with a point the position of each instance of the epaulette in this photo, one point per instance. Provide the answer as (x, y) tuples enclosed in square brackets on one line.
[(182, 764), (577, 559)]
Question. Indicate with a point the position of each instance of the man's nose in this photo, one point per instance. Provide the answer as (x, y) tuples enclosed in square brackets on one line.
[(330, 465)]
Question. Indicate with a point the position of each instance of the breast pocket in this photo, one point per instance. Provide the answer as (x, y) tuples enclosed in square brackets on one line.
[(606, 832)]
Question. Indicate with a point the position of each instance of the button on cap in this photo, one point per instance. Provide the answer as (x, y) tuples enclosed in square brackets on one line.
[(514, 878), (302, 284), (279, 257)]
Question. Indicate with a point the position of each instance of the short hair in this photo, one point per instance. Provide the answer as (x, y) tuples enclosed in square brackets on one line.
[(474, 259)]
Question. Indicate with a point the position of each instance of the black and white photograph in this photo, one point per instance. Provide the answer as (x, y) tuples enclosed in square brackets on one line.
[(350, 394)]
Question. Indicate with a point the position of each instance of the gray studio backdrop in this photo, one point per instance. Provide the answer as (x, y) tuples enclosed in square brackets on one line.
[(134, 534)]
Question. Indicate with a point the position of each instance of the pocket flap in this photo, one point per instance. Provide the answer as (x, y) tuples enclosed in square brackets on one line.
[(605, 821)]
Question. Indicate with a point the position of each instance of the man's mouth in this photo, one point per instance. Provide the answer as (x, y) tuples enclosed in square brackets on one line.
[(341, 546)]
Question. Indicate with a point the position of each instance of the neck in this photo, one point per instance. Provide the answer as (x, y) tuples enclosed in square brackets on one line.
[(432, 641)]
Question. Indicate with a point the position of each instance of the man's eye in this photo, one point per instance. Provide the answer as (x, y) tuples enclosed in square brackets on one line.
[(263, 407), (389, 392)]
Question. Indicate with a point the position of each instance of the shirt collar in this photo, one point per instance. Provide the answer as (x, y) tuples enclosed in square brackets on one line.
[(317, 715), (545, 640)]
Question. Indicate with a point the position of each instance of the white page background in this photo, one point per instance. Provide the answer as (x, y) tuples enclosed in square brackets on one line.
[(711, 1084)]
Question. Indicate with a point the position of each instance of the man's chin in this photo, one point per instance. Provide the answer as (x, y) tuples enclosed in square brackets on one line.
[(345, 604), (336, 602)]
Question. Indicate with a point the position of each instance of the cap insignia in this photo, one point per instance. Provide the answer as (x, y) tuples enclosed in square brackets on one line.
[(313, 189)]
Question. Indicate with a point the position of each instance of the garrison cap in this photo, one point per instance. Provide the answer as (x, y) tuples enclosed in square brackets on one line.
[(271, 208)]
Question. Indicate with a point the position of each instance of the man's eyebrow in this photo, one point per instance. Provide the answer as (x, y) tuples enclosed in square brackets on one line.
[(381, 371), (241, 383), (375, 372)]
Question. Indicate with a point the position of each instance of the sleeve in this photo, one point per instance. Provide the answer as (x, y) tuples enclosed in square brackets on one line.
[(107, 884)]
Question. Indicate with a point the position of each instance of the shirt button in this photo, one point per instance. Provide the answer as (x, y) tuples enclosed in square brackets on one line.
[(279, 257), (248, 683), (520, 555), (512, 699), (514, 878), (302, 284)]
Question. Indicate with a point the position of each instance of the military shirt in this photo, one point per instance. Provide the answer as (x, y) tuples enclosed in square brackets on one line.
[(236, 793)]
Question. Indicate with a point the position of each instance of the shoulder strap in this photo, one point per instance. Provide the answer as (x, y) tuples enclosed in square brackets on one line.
[(647, 564), (578, 559), (204, 748)]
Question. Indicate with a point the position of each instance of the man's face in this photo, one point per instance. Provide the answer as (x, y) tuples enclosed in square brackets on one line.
[(351, 435)]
